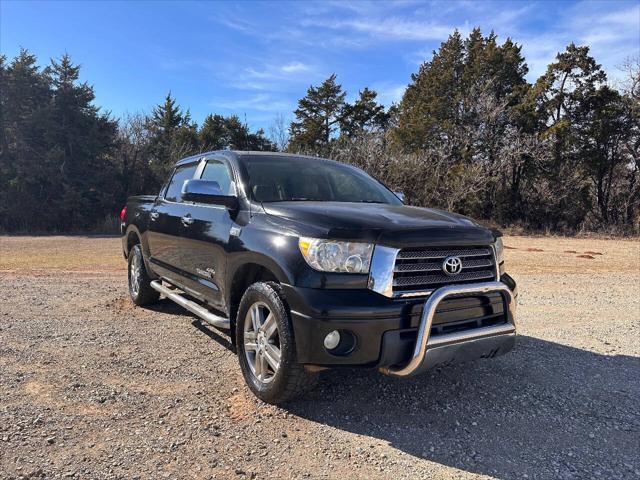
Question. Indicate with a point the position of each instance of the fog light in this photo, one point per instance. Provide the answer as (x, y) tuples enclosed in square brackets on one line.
[(332, 340)]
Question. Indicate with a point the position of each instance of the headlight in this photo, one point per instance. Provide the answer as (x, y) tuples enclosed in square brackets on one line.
[(333, 256), (499, 247)]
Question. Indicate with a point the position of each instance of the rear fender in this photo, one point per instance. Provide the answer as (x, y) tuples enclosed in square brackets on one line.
[(141, 238)]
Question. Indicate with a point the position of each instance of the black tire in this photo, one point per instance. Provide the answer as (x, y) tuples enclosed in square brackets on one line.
[(144, 295), (291, 379)]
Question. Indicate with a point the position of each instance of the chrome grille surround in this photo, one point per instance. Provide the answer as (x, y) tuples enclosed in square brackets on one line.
[(412, 273), (415, 253), (416, 272)]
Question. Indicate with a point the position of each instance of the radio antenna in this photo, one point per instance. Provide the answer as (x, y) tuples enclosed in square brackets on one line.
[(246, 132)]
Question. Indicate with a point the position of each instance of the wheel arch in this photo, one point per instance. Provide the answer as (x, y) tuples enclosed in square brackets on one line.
[(132, 239), (245, 274)]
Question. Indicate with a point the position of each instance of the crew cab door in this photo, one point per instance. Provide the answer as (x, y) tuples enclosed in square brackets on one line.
[(206, 238), (167, 225)]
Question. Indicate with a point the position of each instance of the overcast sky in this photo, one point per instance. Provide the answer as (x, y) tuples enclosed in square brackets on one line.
[(256, 59)]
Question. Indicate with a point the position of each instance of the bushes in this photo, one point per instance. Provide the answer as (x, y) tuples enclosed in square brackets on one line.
[(434, 177)]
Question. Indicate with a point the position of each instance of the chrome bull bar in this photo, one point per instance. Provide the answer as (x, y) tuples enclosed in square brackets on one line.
[(468, 344)]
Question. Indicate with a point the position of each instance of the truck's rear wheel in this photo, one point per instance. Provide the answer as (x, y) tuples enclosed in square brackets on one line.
[(266, 349), (139, 281)]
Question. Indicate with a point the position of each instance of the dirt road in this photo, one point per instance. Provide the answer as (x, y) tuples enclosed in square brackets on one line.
[(91, 387)]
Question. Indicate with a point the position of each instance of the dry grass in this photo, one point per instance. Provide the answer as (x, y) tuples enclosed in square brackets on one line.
[(571, 255), (60, 253)]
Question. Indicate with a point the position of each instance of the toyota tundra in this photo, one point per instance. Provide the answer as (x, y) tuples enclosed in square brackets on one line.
[(309, 264)]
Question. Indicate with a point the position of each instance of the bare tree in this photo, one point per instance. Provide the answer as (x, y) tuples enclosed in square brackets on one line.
[(631, 83), (631, 149), (279, 132), (131, 154)]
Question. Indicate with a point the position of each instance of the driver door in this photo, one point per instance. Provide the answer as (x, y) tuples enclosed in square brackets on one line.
[(206, 238)]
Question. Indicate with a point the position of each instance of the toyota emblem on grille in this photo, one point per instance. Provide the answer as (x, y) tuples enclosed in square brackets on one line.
[(452, 265)]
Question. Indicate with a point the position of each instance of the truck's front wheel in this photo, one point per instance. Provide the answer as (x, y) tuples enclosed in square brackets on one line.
[(266, 348)]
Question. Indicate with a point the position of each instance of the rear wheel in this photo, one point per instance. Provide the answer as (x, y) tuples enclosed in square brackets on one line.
[(266, 349), (139, 282)]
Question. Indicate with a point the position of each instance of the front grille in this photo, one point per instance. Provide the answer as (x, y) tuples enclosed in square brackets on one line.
[(419, 269)]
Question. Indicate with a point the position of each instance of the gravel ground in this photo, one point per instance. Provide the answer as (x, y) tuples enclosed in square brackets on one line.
[(93, 387)]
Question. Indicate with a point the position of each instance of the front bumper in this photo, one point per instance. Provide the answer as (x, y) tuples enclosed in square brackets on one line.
[(430, 351), (478, 322)]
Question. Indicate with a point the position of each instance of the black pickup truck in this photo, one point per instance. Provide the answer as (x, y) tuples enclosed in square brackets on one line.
[(311, 264)]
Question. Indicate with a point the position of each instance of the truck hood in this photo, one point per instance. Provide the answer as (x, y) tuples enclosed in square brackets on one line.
[(394, 225)]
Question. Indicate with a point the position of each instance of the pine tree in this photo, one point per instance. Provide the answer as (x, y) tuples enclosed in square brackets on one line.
[(83, 139), (172, 136), (430, 105), (24, 104), (214, 134), (603, 124), (317, 117), (238, 133), (167, 117), (557, 97), (55, 169), (441, 99), (230, 133), (364, 115)]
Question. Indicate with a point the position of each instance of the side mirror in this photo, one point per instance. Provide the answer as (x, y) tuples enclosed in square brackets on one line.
[(400, 195), (207, 191)]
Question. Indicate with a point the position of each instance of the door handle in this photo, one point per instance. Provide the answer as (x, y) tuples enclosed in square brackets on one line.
[(186, 220), (154, 216)]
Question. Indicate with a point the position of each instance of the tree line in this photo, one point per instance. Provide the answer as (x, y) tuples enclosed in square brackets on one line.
[(470, 134)]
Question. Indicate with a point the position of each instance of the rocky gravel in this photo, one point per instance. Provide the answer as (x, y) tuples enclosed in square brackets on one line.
[(93, 387)]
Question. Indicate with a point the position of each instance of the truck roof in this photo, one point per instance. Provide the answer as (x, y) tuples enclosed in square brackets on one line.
[(240, 153)]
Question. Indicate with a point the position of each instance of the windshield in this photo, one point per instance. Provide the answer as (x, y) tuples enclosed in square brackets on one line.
[(284, 179)]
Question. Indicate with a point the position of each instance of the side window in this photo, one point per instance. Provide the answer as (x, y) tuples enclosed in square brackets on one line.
[(219, 172), (181, 175)]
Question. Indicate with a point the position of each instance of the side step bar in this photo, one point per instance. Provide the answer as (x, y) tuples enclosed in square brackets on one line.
[(193, 307)]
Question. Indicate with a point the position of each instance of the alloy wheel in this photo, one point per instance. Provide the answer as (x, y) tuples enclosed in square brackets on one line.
[(134, 274), (262, 342)]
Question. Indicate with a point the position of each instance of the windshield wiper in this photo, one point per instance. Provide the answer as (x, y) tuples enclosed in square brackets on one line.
[(305, 199)]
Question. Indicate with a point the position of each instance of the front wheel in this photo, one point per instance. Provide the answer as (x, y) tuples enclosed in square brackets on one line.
[(266, 348)]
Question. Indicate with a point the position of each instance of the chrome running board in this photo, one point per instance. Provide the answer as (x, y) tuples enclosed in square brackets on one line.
[(193, 307)]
